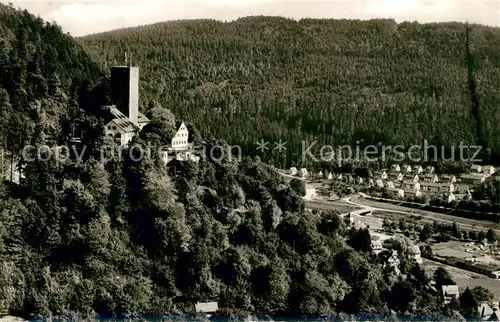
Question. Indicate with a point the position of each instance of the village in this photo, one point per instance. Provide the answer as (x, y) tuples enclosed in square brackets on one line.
[(470, 254), (405, 182)]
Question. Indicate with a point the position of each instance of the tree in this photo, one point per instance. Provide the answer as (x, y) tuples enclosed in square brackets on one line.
[(360, 240), (442, 277), (425, 233), (482, 295), (455, 232), (481, 236), (468, 304), (298, 186), (491, 236), (427, 251)]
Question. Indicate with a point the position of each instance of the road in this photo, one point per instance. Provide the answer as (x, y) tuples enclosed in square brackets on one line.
[(368, 205)]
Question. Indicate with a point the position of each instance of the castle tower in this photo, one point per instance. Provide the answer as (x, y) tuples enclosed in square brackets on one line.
[(125, 91)]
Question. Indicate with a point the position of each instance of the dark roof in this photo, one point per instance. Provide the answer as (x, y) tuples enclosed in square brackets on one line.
[(120, 119)]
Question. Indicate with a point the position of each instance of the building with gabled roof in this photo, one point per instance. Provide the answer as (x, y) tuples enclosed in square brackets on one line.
[(476, 168), (448, 178), (123, 119), (473, 179), (450, 292), (395, 168), (430, 177), (429, 169), (418, 169), (489, 170)]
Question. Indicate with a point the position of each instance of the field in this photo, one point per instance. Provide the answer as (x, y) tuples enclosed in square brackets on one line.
[(339, 206), (463, 250)]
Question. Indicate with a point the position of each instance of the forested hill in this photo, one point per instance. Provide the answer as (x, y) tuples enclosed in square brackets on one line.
[(123, 237), (40, 66), (337, 81)]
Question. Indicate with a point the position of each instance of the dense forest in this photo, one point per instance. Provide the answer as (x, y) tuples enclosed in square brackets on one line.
[(128, 238), (334, 81)]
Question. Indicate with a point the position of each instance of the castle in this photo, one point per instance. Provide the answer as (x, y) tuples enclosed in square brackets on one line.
[(124, 119)]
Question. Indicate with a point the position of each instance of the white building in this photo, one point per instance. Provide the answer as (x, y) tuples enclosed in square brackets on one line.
[(406, 168), (395, 168), (377, 246), (488, 170), (450, 292), (180, 139), (293, 171), (180, 148), (207, 307), (303, 172), (416, 254), (476, 168)]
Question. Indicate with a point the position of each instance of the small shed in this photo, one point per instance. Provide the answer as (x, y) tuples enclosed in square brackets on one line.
[(206, 307)]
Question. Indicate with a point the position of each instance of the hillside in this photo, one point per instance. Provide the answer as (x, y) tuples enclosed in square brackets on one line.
[(335, 81), (84, 237), (41, 70)]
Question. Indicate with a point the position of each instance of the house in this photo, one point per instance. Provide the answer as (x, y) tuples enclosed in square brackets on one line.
[(484, 310), (380, 175), (391, 259), (448, 178), (433, 188), (450, 197), (347, 177), (406, 168), (123, 119), (395, 168), (180, 147), (303, 173), (488, 170), (320, 174), (413, 193), (430, 178), (410, 185), (415, 254), (395, 176), (462, 188), (411, 177), (476, 168), (396, 193), (360, 180), (180, 140), (377, 246), (390, 185), (472, 179), (450, 292), (293, 171), (207, 307), (330, 176), (418, 169), (429, 169), (379, 183)]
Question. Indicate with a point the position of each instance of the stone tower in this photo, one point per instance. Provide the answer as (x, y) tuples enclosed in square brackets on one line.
[(125, 90)]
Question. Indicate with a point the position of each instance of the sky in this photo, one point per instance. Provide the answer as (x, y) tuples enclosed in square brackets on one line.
[(82, 17)]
